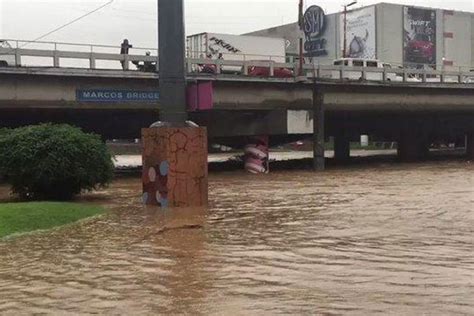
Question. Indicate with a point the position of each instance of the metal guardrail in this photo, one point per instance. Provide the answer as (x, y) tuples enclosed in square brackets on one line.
[(244, 67)]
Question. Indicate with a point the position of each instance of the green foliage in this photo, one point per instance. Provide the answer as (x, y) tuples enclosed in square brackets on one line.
[(26, 217), (53, 161)]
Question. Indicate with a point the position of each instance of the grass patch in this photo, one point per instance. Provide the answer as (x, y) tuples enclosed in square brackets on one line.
[(27, 217)]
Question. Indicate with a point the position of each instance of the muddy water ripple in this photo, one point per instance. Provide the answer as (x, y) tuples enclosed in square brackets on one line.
[(364, 240)]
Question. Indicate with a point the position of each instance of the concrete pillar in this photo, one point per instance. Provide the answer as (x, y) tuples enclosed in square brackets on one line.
[(257, 155), (342, 148), (175, 166), (470, 146), (412, 147), (319, 163)]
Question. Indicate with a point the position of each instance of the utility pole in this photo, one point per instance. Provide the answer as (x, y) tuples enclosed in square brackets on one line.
[(344, 50)]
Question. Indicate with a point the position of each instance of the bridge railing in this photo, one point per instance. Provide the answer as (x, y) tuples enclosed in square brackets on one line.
[(273, 69), (59, 52), (42, 53)]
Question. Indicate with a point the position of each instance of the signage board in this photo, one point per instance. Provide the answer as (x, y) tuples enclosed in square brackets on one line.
[(360, 33), (314, 28), (117, 96), (419, 37)]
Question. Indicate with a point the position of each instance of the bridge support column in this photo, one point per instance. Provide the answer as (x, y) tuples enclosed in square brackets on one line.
[(175, 167), (470, 146), (319, 163), (342, 148), (412, 147)]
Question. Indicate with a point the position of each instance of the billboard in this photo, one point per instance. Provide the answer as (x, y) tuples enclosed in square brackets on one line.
[(360, 32), (419, 36), (314, 28)]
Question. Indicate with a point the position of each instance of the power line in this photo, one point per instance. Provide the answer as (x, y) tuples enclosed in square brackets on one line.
[(70, 23)]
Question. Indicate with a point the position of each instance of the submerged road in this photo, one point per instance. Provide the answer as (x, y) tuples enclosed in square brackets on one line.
[(387, 239)]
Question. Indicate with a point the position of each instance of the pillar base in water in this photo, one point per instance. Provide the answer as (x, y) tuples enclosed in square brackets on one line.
[(257, 155), (175, 166), (412, 149), (470, 146)]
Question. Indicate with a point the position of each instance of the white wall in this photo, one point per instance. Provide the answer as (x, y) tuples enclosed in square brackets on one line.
[(389, 33), (459, 48)]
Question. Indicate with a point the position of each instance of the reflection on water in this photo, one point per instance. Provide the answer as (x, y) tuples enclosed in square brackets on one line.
[(386, 239)]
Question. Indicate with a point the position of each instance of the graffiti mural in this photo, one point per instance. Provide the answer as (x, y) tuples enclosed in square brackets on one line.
[(419, 36), (219, 46)]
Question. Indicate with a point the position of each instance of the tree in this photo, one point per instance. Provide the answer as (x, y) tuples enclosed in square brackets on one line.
[(53, 161)]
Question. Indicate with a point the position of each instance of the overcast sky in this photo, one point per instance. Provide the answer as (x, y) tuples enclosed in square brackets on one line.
[(136, 19)]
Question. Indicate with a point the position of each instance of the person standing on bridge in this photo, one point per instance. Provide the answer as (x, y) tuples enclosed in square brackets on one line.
[(124, 48)]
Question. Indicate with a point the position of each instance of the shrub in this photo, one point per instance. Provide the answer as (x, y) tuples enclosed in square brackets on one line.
[(53, 161)]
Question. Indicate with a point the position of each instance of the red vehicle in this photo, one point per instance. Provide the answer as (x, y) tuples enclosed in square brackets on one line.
[(420, 49), (265, 72)]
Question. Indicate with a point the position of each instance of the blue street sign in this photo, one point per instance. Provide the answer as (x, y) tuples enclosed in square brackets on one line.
[(98, 95)]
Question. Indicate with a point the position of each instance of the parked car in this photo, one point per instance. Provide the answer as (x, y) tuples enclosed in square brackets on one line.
[(7, 57)]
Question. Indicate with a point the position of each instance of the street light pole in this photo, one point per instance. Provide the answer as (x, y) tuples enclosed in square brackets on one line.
[(174, 149), (171, 52), (344, 51)]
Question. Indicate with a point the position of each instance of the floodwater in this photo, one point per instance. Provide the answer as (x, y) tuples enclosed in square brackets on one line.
[(377, 239)]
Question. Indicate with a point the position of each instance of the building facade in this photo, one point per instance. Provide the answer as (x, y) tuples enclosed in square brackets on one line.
[(401, 35)]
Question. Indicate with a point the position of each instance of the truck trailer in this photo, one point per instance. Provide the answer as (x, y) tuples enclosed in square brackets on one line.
[(236, 48)]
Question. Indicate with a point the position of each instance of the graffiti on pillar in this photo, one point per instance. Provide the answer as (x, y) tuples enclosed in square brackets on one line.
[(175, 167), (257, 155), (155, 185), (314, 28)]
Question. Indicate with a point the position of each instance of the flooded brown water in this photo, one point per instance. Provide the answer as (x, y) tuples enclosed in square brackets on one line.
[(388, 239)]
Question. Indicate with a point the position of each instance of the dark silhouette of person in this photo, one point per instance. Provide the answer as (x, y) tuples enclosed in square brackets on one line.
[(124, 48)]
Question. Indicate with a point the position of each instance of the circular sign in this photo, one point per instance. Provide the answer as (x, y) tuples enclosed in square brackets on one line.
[(314, 21)]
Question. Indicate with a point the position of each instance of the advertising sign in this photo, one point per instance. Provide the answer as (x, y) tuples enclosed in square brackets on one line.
[(97, 95), (360, 33), (314, 28), (419, 36)]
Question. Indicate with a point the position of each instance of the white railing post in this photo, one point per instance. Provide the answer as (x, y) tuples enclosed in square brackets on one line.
[(189, 66), (17, 57), (126, 65), (55, 59), (92, 64), (272, 69), (246, 68)]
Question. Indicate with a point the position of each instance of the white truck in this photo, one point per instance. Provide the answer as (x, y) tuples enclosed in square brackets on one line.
[(236, 48), (7, 57)]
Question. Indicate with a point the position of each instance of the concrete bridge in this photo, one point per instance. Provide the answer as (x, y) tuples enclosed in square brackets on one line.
[(117, 103)]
